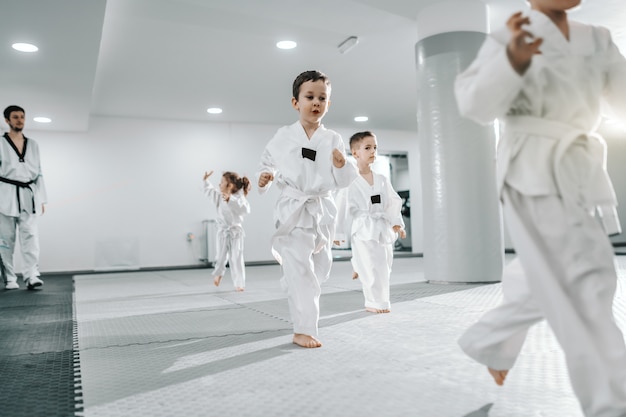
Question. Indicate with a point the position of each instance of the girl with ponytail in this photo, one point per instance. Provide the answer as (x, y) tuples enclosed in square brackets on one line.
[(232, 205)]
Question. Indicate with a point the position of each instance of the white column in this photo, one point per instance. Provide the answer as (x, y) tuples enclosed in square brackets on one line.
[(462, 218)]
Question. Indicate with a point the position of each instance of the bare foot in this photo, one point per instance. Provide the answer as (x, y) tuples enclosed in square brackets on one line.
[(239, 289), (377, 310), (306, 341), (217, 280), (498, 376), (355, 275)]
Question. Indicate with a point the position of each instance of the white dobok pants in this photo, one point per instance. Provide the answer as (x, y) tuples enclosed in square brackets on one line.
[(229, 250), (303, 273), (24, 226), (569, 279), (373, 261)]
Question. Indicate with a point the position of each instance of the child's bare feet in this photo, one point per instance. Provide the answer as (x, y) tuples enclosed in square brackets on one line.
[(217, 280), (377, 310), (239, 289), (355, 275), (306, 341), (498, 376)]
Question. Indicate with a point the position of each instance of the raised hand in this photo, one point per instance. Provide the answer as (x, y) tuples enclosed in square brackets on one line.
[(265, 178), (520, 50), (338, 159), (207, 175)]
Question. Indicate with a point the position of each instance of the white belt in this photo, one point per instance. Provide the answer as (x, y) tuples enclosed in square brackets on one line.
[(309, 202), (383, 230), (600, 193)]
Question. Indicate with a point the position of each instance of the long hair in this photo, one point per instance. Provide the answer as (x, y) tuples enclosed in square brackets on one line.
[(237, 182)]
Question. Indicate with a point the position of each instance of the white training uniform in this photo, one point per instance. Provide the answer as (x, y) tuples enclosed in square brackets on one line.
[(305, 214), (551, 171), (230, 233), (22, 193), (371, 212)]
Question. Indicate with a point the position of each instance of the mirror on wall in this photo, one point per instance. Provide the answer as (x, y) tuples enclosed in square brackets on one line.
[(394, 166)]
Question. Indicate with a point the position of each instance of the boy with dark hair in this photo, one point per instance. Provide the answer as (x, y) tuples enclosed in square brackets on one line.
[(307, 162), (372, 219)]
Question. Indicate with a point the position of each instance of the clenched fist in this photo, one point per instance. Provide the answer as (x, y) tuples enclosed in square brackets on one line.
[(338, 159), (265, 179), (399, 230)]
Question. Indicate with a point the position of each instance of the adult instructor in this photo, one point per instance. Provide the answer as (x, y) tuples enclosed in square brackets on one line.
[(22, 199)]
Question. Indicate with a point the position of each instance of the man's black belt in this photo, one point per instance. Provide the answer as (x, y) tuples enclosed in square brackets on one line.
[(18, 185), (3, 272)]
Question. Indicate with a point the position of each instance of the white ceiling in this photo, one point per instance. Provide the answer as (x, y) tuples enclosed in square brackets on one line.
[(172, 59)]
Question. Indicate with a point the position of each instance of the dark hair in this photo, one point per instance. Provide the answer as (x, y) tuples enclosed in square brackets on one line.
[(358, 137), (11, 109), (312, 75), (237, 182)]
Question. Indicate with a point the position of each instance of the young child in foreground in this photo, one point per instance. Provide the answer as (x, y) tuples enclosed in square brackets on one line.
[(373, 221), (544, 77), (307, 162), (232, 205)]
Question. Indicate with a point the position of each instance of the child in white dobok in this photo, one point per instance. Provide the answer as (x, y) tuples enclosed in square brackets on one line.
[(307, 162), (544, 77), (372, 219), (232, 205)]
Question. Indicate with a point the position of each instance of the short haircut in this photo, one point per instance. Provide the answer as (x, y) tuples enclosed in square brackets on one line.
[(11, 109), (312, 75), (358, 137)]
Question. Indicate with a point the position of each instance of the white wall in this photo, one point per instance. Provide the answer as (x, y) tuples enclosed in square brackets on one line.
[(615, 135), (126, 193)]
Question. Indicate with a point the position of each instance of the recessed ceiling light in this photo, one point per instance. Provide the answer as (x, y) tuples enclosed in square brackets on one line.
[(286, 45), (214, 110), (361, 119), (42, 119), (25, 47)]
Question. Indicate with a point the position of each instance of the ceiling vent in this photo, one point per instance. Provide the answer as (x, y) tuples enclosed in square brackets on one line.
[(348, 44)]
